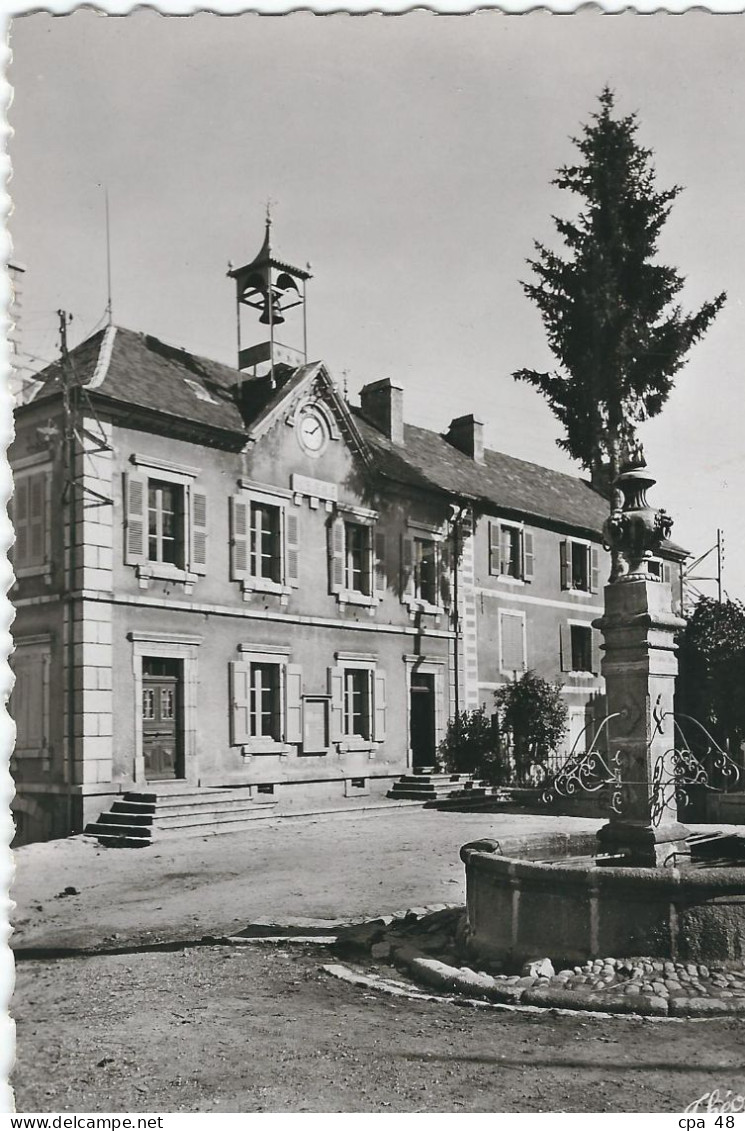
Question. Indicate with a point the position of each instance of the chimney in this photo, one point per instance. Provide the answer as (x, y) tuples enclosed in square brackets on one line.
[(466, 433), (382, 404)]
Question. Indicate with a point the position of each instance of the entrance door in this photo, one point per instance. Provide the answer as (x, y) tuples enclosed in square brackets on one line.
[(422, 721), (161, 718)]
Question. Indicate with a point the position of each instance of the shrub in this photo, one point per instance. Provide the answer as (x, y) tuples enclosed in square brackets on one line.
[(533, 722), (471, 746)]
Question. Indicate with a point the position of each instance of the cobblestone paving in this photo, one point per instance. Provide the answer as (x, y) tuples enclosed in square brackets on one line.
[(428, 944)]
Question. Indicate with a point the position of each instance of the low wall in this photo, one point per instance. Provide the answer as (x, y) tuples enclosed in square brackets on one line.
[(520, 910)]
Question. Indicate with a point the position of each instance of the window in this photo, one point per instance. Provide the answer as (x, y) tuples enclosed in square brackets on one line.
[(425, 584), (264, 531), (165, 512), (580, 650), (425, 570), (581, 638), (266, 707), (356, 555), (510, 551), (511, 642), (29, 700), (265, 542), (579, 566), (31, 513), (165, 521), (357, 703), (264, 711)]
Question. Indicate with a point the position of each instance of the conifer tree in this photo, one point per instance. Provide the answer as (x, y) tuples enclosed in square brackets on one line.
[(609, 310)]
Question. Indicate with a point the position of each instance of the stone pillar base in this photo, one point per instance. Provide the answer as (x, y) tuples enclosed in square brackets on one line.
[(642, 845)]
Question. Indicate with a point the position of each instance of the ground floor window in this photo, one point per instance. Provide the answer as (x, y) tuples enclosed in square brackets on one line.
[(265, 701), (357, 703)]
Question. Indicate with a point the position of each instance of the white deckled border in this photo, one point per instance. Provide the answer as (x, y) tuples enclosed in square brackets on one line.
[(104, 358)]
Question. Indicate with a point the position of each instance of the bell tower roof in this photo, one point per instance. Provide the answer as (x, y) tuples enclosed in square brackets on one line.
[(265, 258)]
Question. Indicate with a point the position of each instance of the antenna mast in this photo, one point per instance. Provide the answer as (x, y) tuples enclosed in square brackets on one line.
[(109, 308)]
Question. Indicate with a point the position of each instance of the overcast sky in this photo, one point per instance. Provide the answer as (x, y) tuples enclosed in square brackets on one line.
[(410, 159)]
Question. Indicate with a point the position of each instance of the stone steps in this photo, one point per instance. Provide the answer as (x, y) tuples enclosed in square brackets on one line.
[(140, 818), (433, 787)]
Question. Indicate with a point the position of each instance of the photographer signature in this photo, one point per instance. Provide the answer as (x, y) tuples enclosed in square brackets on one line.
[(718, 1100)]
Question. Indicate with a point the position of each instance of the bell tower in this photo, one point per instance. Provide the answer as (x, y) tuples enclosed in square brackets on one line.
[(274, 288)]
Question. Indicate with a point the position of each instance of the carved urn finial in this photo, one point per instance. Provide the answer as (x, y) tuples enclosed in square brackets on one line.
[(634, 529)]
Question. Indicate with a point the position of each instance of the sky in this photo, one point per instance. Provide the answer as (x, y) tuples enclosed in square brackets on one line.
[(409, 159)]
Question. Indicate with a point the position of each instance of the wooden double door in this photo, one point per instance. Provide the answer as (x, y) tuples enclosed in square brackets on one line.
[(162, 719)]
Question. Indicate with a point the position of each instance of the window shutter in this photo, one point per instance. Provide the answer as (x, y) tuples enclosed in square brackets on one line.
[(198, 557), (527, 555), (336, 554), (667, 573), (291, 549), (513, 651), (36, 518), (445, 586), (21, 522), (408, 581), (293, 703), (565, 647), (380, 574), (135, 534), (494, 548), (336, 690), (379, 706), (238, 538), (240, 698), (565, 558), (594, 570), (595, 651)]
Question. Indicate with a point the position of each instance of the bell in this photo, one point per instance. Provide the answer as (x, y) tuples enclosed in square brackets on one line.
[(276, 311)]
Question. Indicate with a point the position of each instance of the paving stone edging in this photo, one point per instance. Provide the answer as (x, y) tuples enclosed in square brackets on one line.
[(427, 944)]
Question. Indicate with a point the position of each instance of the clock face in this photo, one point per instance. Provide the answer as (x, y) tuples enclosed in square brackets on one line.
[(312, 431)]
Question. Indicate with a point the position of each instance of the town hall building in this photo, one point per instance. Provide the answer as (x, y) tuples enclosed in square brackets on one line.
[(234, 579)]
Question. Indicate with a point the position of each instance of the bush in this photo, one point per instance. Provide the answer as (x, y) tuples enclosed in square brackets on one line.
[(712, 672), (533, 722), (471, 746)]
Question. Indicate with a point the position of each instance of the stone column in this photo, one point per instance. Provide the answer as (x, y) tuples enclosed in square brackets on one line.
[(639, 666)]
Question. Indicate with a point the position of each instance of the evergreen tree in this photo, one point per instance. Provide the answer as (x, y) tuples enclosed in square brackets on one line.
[(608, 309)]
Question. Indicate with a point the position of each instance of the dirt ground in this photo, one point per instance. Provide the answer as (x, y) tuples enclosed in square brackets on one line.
[(334, 867), (262, 1029)]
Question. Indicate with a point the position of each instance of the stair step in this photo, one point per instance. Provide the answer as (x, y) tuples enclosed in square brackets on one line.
[(177, 807), (130, 832), (193, 795)]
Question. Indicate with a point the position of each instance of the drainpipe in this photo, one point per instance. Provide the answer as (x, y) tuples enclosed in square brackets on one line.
[(455, 522)]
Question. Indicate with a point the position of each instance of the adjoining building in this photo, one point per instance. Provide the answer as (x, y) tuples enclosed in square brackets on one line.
[(233, 578)]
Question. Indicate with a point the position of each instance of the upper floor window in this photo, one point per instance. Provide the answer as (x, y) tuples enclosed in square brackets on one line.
[(356, 554), (31, 512), (264, 531), (510, 551), (424, 568), (358, 557), (266, 544), (165, 521), (579, 566)]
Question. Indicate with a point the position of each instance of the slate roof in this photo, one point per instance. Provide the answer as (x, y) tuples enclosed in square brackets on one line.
[(145, 372), (139, 370), (501, 483)]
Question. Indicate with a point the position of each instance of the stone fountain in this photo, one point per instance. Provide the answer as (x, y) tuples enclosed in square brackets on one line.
[(643, 891)]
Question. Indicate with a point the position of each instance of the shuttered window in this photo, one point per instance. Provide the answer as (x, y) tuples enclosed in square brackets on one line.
[(31, 517), (358, 705), (512, 642), (264, 542), (166, 520), (29, 700), (511, 552), (579, 566)]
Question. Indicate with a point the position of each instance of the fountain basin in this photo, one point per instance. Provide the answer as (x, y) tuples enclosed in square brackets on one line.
[(571, 909)]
